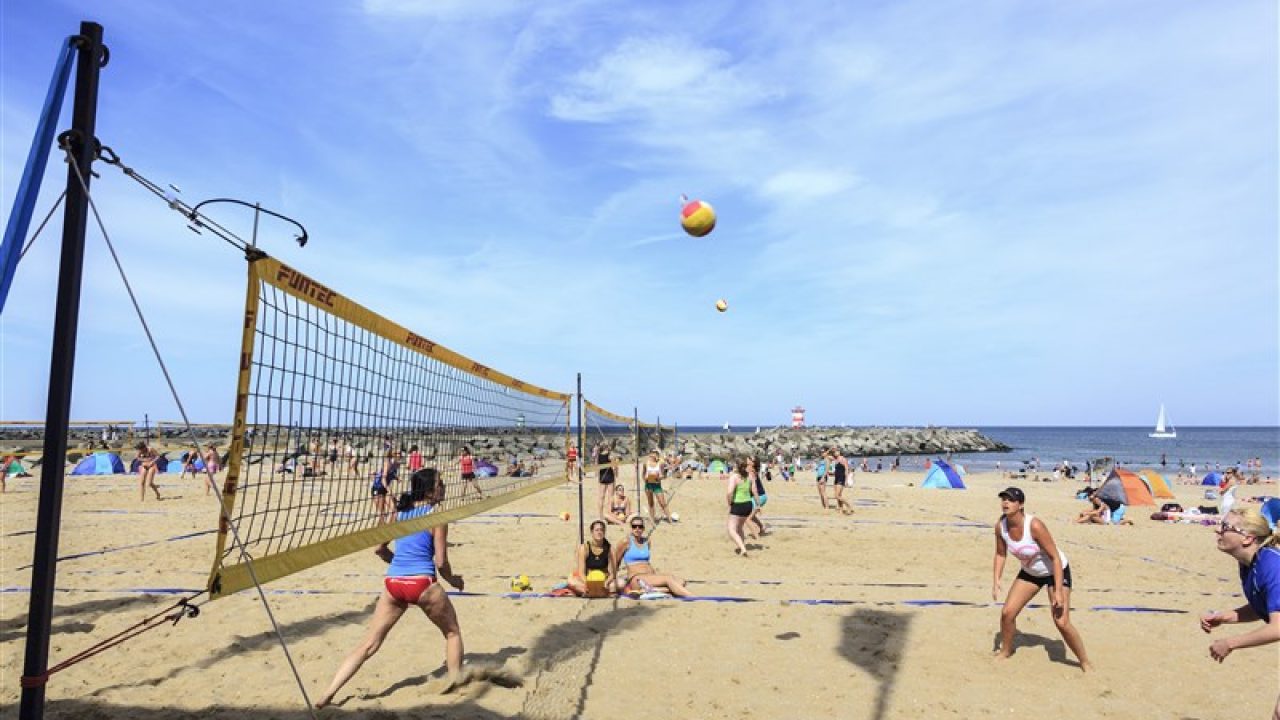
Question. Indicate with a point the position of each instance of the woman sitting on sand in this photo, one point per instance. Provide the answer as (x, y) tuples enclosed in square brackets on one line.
[(594, 555), (1246, 535), (1026, 536), (1098, 512), (635, 554), (411, 580), (619, 506)]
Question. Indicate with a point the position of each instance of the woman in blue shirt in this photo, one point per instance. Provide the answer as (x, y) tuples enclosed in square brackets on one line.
[(411, 580), (1245, 535)]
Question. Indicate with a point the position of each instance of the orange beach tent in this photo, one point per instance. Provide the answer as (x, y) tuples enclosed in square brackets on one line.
[(1156, 484), (1135, 490)]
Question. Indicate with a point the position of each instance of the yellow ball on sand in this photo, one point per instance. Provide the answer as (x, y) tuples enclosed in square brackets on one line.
[(520, 583), (721, 305), (565, 516), (697, 218)]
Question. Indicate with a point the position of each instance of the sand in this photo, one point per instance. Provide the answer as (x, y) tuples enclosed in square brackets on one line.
[(884, 614)]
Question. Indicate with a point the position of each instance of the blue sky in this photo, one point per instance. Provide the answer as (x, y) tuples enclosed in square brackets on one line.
[(973, 213)]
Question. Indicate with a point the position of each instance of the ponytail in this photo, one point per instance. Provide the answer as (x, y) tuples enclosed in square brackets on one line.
[(1256, 524)]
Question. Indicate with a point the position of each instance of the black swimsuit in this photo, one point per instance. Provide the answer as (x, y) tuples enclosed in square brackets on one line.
[(598, 562)]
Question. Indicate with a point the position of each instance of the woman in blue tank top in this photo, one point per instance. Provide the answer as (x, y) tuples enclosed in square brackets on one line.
[(635, 554), (411, 580)]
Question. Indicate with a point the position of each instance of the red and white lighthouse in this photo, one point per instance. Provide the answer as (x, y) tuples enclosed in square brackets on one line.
[(797, 417)]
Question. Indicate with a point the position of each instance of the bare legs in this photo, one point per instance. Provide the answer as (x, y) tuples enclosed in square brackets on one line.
[(841, 504), (434, 602), (147, 478), (1019, 595), (735, 534)]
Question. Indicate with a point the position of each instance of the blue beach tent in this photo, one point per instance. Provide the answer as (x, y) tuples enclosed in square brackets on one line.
[(100, 463), (1213, 478), (1271, 511), (943, 476)]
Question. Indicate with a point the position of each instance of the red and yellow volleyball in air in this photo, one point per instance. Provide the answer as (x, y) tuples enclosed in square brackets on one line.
[(697, 217)]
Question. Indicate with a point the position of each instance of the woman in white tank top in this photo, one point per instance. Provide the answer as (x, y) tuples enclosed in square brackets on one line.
[(1027, 538)]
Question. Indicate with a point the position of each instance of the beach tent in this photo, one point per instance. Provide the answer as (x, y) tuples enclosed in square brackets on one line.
[(1156, 483), (484, 468), (1213, 478), (717, 466), (100, 463), (943, 476), (1123, 486), (1271, 511)]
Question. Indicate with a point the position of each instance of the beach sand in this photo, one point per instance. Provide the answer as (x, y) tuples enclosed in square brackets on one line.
[(884, 614)]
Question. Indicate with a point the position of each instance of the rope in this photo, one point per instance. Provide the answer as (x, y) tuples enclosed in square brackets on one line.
[(182, 608), (226, 513), (44, 222)]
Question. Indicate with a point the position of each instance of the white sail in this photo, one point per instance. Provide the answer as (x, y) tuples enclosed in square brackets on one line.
[(1161, 430)]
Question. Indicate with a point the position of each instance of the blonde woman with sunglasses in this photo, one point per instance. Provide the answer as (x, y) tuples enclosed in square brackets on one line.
[(1246, 535)]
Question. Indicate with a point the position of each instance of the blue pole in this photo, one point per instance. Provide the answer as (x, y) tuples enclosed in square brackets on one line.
[(24, 202)]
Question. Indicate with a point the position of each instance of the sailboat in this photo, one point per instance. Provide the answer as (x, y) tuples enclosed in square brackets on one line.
[(1161, 423)]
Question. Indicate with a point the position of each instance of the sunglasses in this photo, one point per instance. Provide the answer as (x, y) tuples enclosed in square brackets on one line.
[(637, 527), (1223, 528)]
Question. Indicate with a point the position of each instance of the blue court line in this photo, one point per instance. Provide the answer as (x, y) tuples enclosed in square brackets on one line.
[(703, 598), (76, 556)]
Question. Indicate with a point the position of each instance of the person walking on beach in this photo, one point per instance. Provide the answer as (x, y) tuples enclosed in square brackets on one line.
[(820, 472), (842, 472), (652, 472), (759, 497), (1042, 563), (738, 497), (147, 471), (467, 466), (606, 475), (412, 570), (212, 464), (1246, 536)]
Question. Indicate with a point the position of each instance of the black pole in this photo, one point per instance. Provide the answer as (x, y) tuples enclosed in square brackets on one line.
[(82, 145), (582, 459)]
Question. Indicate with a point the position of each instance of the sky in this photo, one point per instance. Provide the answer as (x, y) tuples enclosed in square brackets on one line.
[(977, 213)]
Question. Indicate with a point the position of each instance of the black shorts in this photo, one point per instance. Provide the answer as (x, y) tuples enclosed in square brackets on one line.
[(469, 476), (378, 491), (1040, 582), (333, 456), (741, 509), (606, 476), (840, 480)]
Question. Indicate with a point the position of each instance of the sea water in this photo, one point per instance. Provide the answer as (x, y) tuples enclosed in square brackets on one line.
[(1209, 448)]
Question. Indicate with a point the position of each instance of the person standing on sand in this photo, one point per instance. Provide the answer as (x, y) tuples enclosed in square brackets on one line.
[(147, 471), (1247, 536), (820, 472), (842, 473), (411, 581), (738, 497), (1042, 564), (467, 466)]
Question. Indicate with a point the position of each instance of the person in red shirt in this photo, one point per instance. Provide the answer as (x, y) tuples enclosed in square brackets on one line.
[(468, 467), (571, 461)]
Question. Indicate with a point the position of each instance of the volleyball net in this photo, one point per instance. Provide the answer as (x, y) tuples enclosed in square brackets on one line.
[(337, 407)]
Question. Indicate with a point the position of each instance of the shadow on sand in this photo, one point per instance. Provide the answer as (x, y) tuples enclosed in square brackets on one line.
[(1055, 648), (874, 641)]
